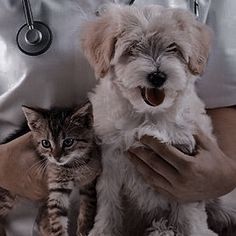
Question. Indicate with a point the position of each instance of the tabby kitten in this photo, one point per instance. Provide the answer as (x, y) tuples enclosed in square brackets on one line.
[(65, 140)]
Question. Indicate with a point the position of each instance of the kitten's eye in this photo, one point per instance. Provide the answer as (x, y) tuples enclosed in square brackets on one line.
[(46, 143), (68, 142), (172, 48)]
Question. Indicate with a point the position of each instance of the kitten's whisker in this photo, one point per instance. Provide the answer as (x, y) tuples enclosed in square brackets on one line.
[(35, 165), (43, 167)]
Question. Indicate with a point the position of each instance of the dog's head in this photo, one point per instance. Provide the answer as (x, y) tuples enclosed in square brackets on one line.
[(151, 53)]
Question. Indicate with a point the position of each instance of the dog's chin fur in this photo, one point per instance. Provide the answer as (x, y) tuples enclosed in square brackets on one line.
[(125, 45)]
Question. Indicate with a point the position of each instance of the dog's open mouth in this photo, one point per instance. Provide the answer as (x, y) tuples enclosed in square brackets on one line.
[(152, 96)]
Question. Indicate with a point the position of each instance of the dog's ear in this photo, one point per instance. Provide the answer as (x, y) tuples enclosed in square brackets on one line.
[(198, 37), (98, 43), (200, 46)]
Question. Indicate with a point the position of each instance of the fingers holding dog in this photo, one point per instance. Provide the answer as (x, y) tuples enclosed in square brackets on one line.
[(151, 176), (155, 162), (170, 154)]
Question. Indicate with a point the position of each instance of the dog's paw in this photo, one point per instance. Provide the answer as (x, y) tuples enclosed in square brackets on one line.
[(161, 228)]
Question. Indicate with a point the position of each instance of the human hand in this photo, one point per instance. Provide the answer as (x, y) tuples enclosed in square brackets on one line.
[(209, 174), (20, 170)]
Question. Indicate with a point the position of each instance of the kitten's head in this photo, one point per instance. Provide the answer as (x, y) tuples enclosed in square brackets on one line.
[(63, 136)]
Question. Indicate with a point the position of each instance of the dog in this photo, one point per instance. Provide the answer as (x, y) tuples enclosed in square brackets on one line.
[(147, 60)]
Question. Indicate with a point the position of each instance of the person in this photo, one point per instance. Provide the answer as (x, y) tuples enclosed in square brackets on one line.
[(61, 76), (212, 173)]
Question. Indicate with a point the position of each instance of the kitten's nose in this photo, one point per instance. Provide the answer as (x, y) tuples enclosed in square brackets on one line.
[(56, 154), (57, 158), (157, 78)]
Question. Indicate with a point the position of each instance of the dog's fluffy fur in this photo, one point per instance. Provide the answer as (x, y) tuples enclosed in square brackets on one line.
[(124, 46)]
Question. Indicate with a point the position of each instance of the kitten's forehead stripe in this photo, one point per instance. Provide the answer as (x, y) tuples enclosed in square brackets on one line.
[(57, 122)]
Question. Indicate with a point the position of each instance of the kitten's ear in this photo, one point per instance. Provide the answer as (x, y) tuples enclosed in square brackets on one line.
[(83, 116), (33, 116)]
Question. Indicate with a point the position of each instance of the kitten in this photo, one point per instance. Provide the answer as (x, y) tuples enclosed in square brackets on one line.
[(65, 141)]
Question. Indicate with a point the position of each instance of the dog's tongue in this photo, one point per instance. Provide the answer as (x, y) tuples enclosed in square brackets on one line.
[(152, 96)]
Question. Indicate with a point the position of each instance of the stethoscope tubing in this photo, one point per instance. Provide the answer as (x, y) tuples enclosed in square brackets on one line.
[(28, 13)]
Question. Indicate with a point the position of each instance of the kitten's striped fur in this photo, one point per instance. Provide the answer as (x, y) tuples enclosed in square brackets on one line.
[(68, 164)]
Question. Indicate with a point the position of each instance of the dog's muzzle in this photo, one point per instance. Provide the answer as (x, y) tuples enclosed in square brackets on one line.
[(154, 96)]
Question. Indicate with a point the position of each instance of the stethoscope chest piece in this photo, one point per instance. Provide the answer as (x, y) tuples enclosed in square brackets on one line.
[(34, 37), (34, 41)]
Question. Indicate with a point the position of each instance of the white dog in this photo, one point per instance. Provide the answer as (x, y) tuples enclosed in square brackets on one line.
[(148, 60)]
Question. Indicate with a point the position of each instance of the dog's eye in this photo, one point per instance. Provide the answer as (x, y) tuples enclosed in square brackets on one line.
[(130, 50), (172, 48), (175, 49)]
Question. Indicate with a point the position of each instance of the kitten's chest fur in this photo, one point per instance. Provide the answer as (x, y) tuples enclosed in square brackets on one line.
[(60, 174)]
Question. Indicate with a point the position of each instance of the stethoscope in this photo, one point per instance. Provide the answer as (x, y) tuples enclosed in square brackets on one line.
[(34, 37)]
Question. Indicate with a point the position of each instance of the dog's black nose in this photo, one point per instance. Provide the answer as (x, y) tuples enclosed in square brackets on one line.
[(157, 78)]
